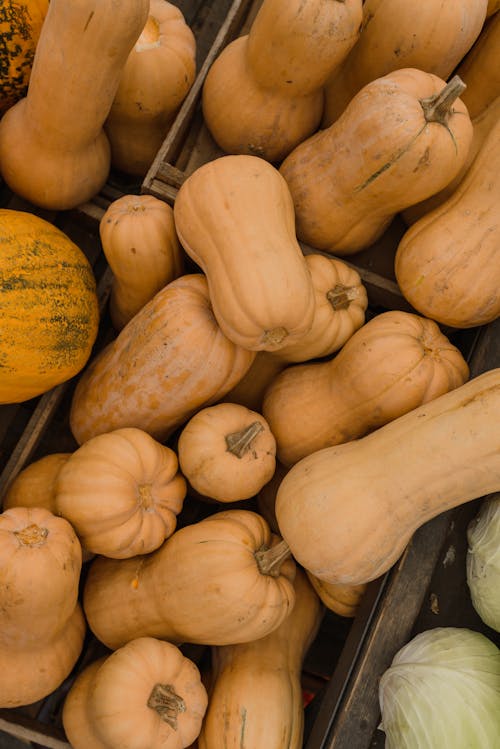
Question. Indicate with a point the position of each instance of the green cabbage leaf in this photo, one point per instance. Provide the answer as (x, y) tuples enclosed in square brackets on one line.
[(483, 563)]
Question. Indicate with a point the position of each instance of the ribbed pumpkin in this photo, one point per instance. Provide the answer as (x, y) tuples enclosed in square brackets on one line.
[(20, 25), (50, 313)]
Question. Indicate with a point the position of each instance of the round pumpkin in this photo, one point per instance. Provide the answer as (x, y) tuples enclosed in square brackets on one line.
[(20, 26), (50, 313), (34, 486)]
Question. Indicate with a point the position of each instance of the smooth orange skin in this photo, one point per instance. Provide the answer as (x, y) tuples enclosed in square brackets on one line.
[(391, 365), (448, 263), (381, 156), (34, 485), (209, 570), (433, 39), (140, 243), (343, 599), (480, 69), (107, 704), (156, 78), (167, 362), (440, 455), (256, 687)]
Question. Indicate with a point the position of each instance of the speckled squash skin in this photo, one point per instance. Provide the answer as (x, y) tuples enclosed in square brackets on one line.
[(20, 25), (50, 312)]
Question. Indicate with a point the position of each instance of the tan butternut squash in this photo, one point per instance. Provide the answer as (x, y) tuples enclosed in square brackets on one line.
[(227, 452), (394, 36), (34, 485), (121, 491), (263, 94), (167, 362), (256, 694), (234, 217), (439, 455), (146, 692), (53, 149), (159, 71), (480, 69), (448, 263), (340, 598), (41, 622), (391, 365), (220, 581), (140, 243), (402, 138)]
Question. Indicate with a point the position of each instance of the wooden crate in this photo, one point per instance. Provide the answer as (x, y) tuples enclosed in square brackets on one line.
[(342, 668)]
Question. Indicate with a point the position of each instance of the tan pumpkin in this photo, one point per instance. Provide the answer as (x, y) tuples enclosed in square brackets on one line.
[(437, 456), (402, 138), (148, 682), (260, 285), (140, 243), (50, 312), (480, 69), (34, 485), (20, 26), (121, 491), (340, 598), (447, 264), (256, 695), (340, 304), (167, 362), (41, 622), (482, 125), (434, 40), (394, 363), (157, 76), (227, 452), (53, 149), (226, 574), (263, 94)]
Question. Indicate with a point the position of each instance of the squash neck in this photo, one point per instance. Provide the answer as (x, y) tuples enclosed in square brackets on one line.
[(238, 443), (167, 703), (270, 559)]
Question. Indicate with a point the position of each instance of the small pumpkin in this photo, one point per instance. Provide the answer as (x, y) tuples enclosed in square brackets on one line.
[(148, 682), (41, 622), (260, 285), (50, 313), (402, 138), (391, 365), (20, 26), (228, 576), (53, 149), (140, 243), (227, 452), (168, 361), (434, 41), (157, 76), (34, 485), (256, 689), (438, 456), (121, 491), (447, 264), (264, 93)]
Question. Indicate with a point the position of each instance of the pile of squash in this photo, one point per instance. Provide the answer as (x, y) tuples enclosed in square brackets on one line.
[(245, 372)]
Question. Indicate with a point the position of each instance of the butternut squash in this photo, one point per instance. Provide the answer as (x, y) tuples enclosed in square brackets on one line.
[(167, 362), (402, 138), (480, 69), (393, 36), (447, 264), (256, 694), (263, 94), (53, 149), (438, 456), (391, 365), (234, 217), (220, 581)]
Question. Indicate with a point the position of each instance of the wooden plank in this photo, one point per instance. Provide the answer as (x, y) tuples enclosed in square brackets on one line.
[(30, 730)]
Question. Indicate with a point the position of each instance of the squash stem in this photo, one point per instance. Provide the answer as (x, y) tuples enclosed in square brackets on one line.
[(269, 560), (437, 108), (167, 703), (341, 296), (239, 442)]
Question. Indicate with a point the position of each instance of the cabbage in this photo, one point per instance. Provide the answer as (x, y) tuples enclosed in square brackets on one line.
[(483, 563), (442, 691)]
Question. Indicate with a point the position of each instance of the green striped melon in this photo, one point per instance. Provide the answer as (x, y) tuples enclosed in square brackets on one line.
[(49, 314)]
